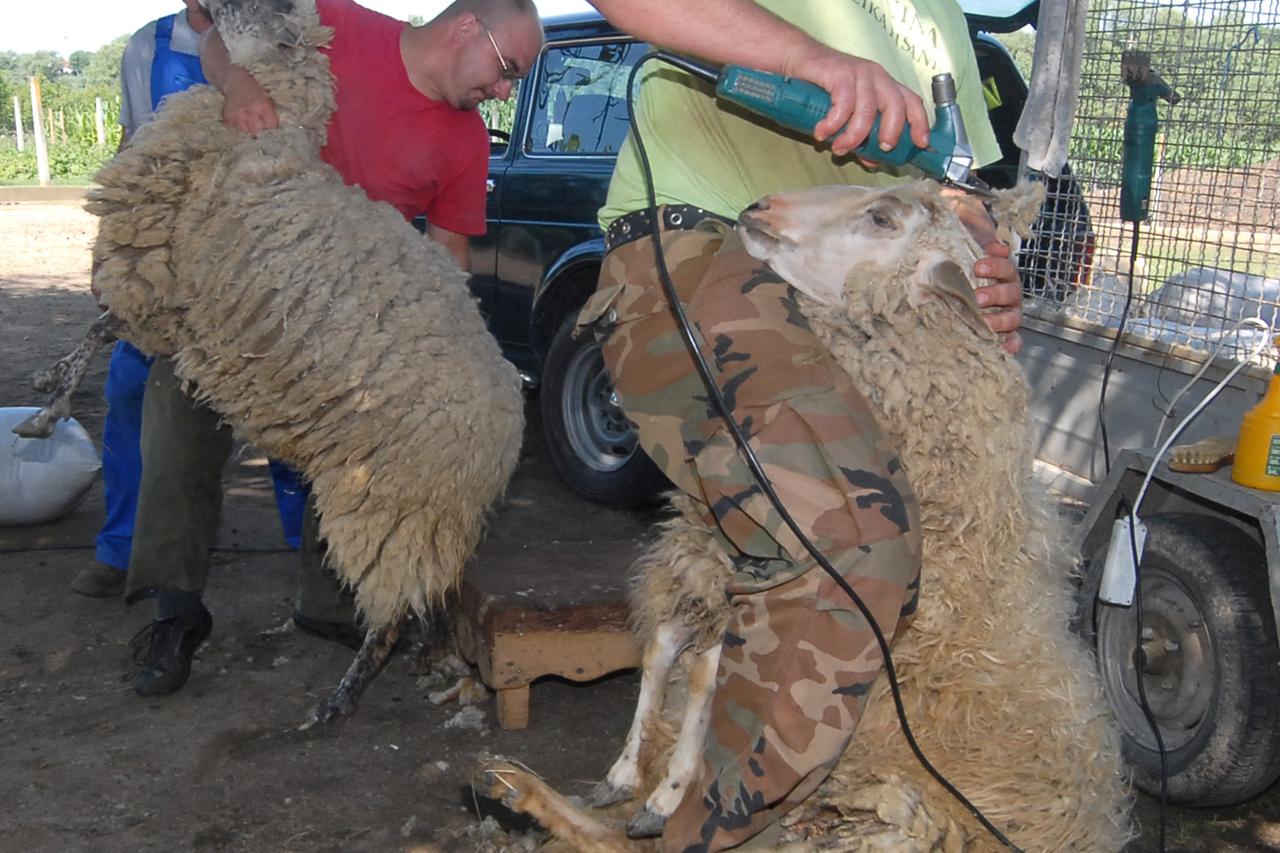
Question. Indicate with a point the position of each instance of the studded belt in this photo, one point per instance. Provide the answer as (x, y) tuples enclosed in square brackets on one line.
[(639, 223)]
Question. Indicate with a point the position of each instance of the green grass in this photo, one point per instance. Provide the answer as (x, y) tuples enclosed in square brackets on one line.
[(1165, 251)]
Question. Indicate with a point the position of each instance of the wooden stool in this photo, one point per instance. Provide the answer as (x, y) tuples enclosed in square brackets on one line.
[(545, 609)]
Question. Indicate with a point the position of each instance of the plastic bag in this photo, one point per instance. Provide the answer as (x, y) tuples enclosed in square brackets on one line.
[(43, 478)]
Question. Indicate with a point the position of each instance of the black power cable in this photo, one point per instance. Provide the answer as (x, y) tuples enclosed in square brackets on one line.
[(1139, 655), (1139, 658), (722, 409), (1111, 353)]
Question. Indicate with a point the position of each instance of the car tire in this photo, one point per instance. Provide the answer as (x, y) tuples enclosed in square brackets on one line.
[(1211, 664), (590, 441)]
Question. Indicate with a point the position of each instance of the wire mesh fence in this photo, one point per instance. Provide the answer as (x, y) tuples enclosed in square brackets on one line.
[(1209, 255)]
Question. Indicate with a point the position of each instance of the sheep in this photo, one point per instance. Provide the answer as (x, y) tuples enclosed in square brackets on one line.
[(315, 322), (1001, 696)]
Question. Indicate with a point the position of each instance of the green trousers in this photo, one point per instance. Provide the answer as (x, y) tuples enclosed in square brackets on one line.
[(184, 450)]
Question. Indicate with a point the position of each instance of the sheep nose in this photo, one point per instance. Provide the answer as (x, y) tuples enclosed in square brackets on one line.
[(757, 206)]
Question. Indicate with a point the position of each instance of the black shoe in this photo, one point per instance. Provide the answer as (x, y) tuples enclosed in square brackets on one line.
[(162, 653), (346, 633), (99, 581)]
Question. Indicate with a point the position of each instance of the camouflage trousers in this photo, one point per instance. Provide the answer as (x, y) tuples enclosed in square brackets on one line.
[(797, 660)]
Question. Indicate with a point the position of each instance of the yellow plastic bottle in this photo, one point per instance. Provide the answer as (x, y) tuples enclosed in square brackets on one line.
[(1257, 462)]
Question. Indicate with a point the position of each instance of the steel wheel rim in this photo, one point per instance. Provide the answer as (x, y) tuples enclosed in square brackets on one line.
[(1180, 672), (594, 424)]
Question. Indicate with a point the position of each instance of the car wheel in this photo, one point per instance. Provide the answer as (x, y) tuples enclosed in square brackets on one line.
[(588, 438), (1208, 661)]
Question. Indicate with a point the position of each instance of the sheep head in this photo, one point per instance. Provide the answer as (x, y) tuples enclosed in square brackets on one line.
[(276, 41), (251, 28), (813, 237), (828, 241)]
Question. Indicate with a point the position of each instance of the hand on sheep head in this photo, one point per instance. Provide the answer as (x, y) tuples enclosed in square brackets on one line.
[(1005, 290), (247, 106), (1005, 293)]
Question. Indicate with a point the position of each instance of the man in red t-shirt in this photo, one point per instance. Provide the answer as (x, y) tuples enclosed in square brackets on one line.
[(406, 131), (405, 128)]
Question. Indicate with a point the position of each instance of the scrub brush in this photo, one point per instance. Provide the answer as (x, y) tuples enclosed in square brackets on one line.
[(1204, 456)]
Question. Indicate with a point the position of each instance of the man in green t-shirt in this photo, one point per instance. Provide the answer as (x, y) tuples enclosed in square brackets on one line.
[(797, 660)]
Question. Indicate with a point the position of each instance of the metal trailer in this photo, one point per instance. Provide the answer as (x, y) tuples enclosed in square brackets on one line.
[(1208, 256)]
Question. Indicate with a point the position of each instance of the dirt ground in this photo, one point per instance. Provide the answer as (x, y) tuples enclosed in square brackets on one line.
[(87, 765)]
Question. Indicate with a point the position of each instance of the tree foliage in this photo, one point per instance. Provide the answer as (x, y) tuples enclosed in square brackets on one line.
[(69, 89), (79, 61), (45, 63), (103, 70)]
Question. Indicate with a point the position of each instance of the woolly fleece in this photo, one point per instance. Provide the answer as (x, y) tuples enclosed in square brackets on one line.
[(316, 322)]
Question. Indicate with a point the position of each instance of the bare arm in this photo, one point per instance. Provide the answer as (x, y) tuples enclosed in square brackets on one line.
[(247, 107), (742, 33), (459, 245)]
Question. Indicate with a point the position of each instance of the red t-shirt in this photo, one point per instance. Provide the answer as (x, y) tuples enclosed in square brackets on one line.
[(399, 146)]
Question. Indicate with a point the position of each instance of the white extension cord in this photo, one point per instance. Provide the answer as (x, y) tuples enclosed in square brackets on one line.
[(1124, 551)]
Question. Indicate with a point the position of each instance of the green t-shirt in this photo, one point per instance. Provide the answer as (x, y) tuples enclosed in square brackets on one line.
[(723, 159)]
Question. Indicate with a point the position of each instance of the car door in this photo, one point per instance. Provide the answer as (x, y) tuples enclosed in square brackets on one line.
[(501, 118)]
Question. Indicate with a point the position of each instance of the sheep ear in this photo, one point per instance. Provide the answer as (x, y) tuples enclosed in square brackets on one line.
[(948, 282)]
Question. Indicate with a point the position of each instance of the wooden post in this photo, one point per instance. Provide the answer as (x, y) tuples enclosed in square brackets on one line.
[(50, 129), (17, 121), (99, 121), (37, 133), (62, 125)]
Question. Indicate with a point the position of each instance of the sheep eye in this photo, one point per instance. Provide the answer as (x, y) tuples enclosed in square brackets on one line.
[(880, 220)]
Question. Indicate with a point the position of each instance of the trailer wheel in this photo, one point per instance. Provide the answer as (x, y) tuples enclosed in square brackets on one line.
[(1208, 661)]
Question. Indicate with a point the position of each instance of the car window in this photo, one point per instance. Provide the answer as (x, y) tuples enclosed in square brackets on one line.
[(581, 104), (501, 115)]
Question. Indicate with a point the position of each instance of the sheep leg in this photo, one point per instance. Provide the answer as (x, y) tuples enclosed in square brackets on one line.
[(521, 791), (64, 377), (435, 630), (624, 776), (682, 769), (368, 661)]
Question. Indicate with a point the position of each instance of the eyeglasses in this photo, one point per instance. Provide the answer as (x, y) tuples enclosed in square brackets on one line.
[(508, 73)]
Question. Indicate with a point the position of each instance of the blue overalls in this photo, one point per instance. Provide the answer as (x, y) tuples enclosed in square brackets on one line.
[(171, 72)]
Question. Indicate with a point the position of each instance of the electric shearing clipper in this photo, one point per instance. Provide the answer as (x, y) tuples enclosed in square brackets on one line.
[(800, 105)]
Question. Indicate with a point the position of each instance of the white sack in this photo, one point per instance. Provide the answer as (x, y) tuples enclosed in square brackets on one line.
[(43, 478)]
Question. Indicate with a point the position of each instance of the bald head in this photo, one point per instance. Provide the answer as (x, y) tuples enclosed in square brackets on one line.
[(473, 51), (493, 12)]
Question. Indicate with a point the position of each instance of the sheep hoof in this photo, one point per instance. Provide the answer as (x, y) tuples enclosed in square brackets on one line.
[(492, 783), (338, 705), (605, 794), (39, 425), (646, 824)]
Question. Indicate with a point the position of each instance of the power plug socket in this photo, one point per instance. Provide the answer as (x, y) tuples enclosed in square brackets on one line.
[(1120, 572)]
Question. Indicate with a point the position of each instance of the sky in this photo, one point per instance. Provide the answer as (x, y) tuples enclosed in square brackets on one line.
[(66, 26)]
